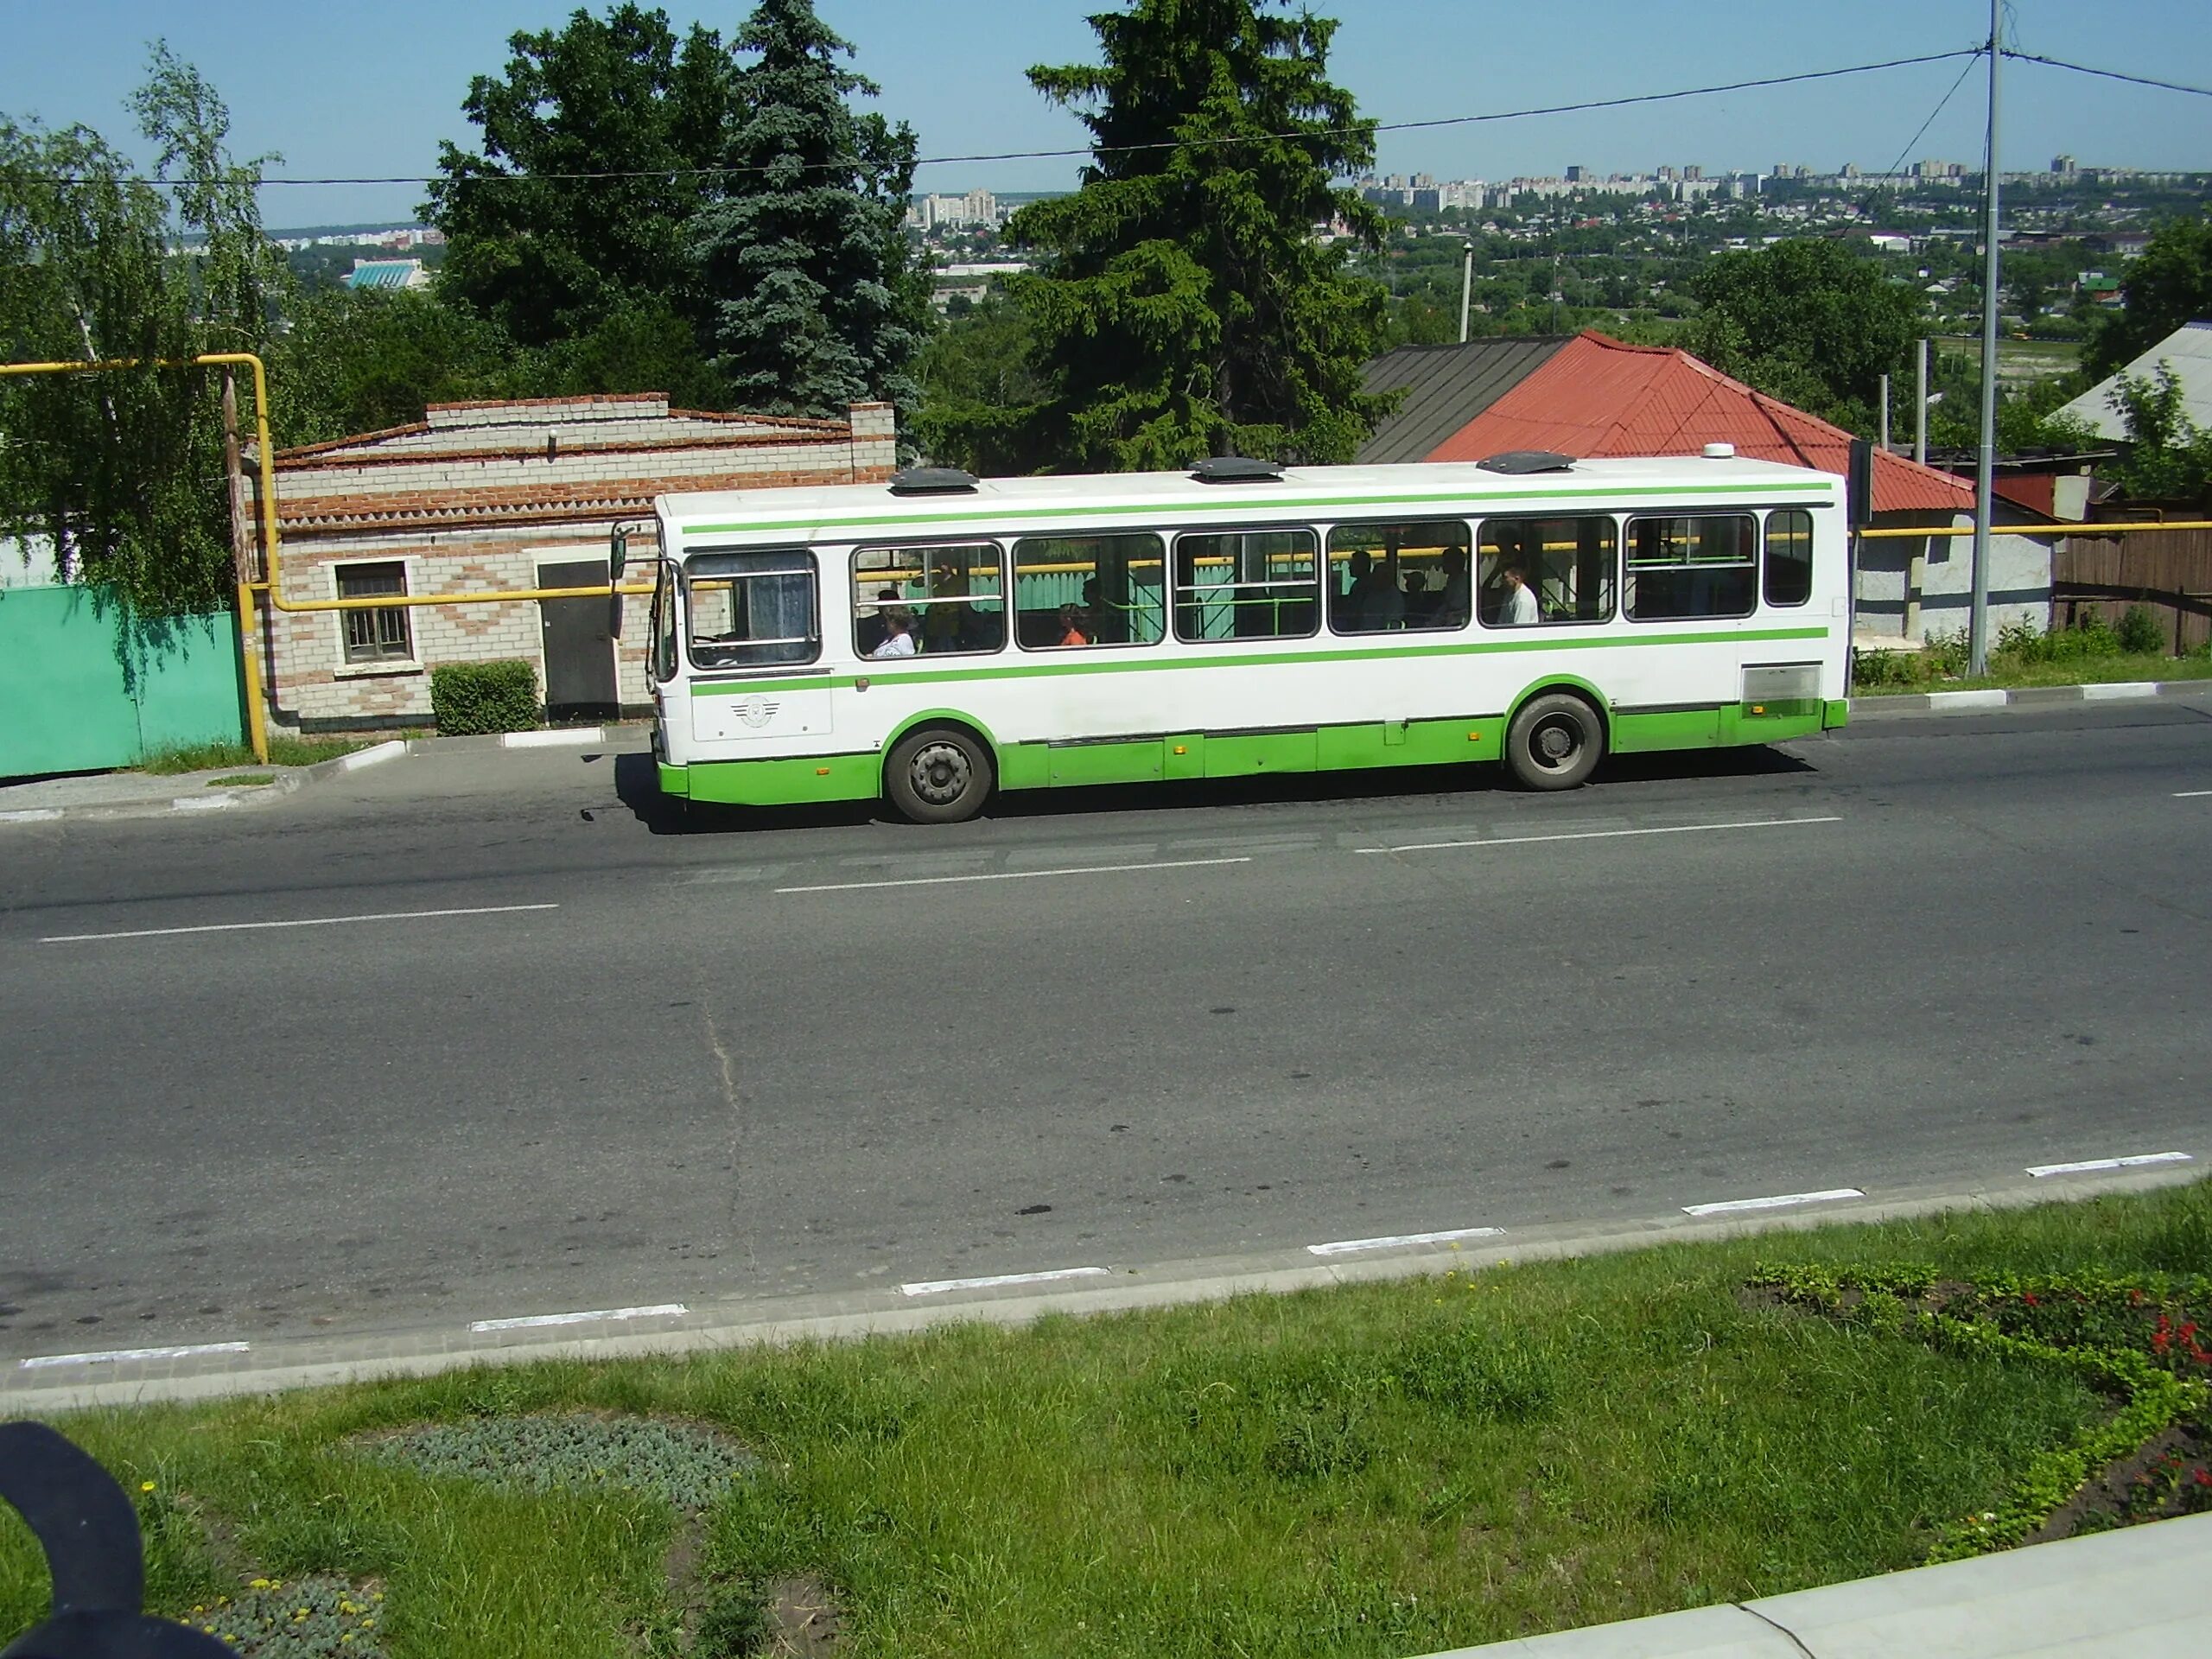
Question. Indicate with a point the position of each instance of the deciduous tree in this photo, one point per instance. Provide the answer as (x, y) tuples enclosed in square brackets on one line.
[(1809, 321), (124, 470), (2169, 283), (598, 144)]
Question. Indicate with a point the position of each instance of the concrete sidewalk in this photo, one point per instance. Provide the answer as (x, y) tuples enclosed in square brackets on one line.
[(140, 794), (1877, 706), (2137, 1591)]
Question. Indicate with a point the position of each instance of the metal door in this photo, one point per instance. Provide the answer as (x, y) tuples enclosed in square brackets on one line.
[(579, 650)]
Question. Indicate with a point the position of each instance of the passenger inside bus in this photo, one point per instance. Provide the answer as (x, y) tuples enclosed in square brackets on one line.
[(899, 634), (870, 630)]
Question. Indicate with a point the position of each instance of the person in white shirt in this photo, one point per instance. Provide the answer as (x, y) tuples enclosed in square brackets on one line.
[(899, 638), (1520, 607)]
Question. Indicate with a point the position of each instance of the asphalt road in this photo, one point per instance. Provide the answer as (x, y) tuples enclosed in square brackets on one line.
[(665, 1059)]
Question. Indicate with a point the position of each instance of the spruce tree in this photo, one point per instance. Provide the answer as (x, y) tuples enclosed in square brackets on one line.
[(1186, 305), (814, 300)]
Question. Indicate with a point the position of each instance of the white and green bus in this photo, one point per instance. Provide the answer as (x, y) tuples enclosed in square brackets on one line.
[(934, 639)]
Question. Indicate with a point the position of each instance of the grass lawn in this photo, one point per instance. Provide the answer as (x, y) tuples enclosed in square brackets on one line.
[(1913, 673), (283, 752), (1378, 1470)]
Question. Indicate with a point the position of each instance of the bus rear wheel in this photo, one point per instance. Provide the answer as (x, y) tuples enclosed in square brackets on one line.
[(939, 776), (1555, 742)]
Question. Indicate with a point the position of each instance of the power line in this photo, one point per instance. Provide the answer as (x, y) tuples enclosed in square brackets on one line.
[(1583, 107), (2109, 74), (1898, 165)]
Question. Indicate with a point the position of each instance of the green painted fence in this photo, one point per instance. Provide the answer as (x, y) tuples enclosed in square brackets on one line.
[(81, 688)]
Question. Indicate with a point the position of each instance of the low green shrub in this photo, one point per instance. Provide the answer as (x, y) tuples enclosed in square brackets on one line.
[(2140, 632), (688, 1467), (467, 698)]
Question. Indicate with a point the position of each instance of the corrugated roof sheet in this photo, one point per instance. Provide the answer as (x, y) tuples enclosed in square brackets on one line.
[(1597, 396), (1447, 386), (2189, 349), (382, 273)]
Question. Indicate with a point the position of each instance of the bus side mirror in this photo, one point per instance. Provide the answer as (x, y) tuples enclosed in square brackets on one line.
[(618, 560)]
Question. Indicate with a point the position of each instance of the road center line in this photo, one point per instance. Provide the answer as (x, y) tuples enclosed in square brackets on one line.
[(311, 921), (991, 1281), (1012, 875), (658, 1311), (115, 1355), (2087, 1165), (2191, 794), (1600, 834), (1347, 1246), (1781, 1202)]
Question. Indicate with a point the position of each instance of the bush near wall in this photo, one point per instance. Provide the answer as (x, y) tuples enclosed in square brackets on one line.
[(471, 697)]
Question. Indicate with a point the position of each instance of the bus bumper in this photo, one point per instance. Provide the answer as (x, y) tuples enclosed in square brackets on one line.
[(1836, 715)]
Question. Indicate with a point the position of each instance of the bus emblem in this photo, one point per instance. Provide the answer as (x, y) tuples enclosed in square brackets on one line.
[(756, 710)]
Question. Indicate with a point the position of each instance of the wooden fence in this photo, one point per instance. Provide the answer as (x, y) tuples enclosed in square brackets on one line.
[(2168, 570)]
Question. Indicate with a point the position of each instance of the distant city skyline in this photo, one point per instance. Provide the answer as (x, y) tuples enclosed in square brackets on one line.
[(364, 91)]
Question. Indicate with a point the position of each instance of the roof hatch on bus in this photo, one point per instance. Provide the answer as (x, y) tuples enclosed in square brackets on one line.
[(932, 480), (1526, 460), (1236, 469)]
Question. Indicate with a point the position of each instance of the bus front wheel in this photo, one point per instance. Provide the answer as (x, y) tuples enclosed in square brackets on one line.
[(1555, 742), (939, 776)]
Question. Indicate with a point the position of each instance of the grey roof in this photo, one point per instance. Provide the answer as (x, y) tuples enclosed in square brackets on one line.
[(1446, 387), (2188, 350)]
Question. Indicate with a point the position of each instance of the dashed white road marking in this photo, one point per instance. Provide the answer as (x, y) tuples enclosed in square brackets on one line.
[(2087, 1165), (309, 921), (1012, 875), (593, 1316), (2191, 794), (118, 1356), (1602, 835), (1348, 1246), (30, 814), (1782, 1201), (991, 1281)]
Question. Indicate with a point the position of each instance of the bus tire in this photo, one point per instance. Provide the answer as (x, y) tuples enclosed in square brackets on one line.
[(1555, 742), (939, 775)]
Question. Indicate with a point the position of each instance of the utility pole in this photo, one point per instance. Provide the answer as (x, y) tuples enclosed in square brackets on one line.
[(1920, 402), (1985, 470), (1466, 288), (1882, 441)]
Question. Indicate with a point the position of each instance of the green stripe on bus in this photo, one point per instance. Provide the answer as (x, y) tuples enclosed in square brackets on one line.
[(998, 669), (1251, 503)]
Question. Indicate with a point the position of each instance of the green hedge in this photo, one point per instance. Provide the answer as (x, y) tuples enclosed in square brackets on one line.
[(471, 697)]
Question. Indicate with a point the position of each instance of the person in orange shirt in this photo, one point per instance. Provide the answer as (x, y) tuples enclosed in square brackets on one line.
[(1072, 631)]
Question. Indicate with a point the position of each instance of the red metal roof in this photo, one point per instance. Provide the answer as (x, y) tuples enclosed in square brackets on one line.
[(1600, 396)]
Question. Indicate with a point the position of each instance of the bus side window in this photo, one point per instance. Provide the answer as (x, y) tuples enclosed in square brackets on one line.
[(1385, 577), (1567, 563), (1789, 556), (952, 595), (1072, 592), (751, 608), (1690, 566)]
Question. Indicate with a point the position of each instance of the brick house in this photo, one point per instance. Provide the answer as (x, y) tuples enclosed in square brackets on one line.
[(498, 497)]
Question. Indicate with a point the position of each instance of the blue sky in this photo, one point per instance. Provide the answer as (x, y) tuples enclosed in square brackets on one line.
[(370, 88)]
